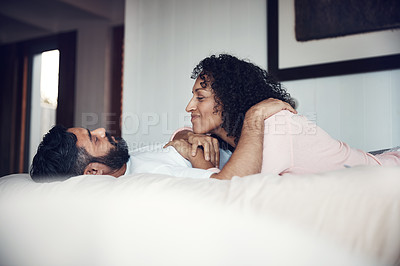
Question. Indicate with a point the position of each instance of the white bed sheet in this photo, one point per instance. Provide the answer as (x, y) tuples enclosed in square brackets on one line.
[(346, 217)]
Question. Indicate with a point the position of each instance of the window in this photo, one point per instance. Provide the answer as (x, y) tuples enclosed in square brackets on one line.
[(44, 97)]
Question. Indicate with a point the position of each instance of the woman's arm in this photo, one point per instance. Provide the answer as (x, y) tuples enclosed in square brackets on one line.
[(247, 157)]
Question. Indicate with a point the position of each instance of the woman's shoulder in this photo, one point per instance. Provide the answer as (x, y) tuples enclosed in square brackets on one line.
[(287, 121), (285, 114), (280, 116)]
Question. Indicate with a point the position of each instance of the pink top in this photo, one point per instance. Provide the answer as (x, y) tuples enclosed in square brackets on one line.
[(293, 144)]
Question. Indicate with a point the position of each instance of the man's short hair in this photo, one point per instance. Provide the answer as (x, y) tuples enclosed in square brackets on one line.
[(58, 157)]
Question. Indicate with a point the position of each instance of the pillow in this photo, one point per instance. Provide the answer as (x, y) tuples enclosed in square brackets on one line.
[(345, 217)]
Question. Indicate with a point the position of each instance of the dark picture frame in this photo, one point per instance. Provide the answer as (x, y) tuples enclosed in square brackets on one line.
[(360, 65)]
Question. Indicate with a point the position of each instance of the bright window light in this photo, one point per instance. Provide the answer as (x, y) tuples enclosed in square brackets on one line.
[(49, 78), (44, 96)]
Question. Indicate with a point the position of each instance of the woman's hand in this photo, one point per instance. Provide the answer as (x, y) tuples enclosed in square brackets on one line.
[(265, 109), (269, 107), (210, 145), (184, 148)]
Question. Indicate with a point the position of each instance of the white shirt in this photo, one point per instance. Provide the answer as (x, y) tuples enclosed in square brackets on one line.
[(157, 160)]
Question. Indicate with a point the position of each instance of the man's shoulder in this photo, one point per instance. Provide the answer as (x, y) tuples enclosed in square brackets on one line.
[(150, 158)]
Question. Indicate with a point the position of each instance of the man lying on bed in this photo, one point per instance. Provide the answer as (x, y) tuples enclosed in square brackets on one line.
[(64, 153)]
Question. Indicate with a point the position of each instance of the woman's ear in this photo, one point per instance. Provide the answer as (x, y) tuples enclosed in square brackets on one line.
[(96, 169)]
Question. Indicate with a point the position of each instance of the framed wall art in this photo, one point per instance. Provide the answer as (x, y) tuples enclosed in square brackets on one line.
[(300, 46)]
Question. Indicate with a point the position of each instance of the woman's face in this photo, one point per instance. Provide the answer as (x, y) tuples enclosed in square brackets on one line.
[(205, 119)]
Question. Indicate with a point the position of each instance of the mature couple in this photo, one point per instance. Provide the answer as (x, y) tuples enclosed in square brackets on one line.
[(236, 102)]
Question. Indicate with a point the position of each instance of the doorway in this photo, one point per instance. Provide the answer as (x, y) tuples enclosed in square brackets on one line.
[(20, 85)]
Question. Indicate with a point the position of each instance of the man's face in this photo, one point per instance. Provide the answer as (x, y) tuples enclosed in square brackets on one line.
[(103, 147), (95, 142)]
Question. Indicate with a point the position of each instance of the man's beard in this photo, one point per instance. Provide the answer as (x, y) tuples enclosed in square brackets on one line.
[(117, 156)]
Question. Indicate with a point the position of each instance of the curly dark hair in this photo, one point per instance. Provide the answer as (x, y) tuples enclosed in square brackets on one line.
[(58, 157), (238, 85)]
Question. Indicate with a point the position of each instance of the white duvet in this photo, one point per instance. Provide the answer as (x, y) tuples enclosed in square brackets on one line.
[(346, 217)]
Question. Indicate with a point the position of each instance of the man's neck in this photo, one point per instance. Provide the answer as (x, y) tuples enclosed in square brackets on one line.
[(119, 172)]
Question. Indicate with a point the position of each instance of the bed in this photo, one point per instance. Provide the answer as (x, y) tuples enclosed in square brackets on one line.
[(345, 217)]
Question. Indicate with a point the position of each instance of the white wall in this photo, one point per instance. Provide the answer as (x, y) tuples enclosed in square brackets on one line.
[(93, 61), (165, 39), (362, 110)]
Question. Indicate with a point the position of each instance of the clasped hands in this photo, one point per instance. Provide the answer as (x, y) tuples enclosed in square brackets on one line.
[(197, 148)]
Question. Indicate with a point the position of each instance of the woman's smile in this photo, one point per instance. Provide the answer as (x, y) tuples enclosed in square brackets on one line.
[(194, 117)]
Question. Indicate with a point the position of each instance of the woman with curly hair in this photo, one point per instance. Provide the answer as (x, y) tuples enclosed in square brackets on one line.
[(227, 87)]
